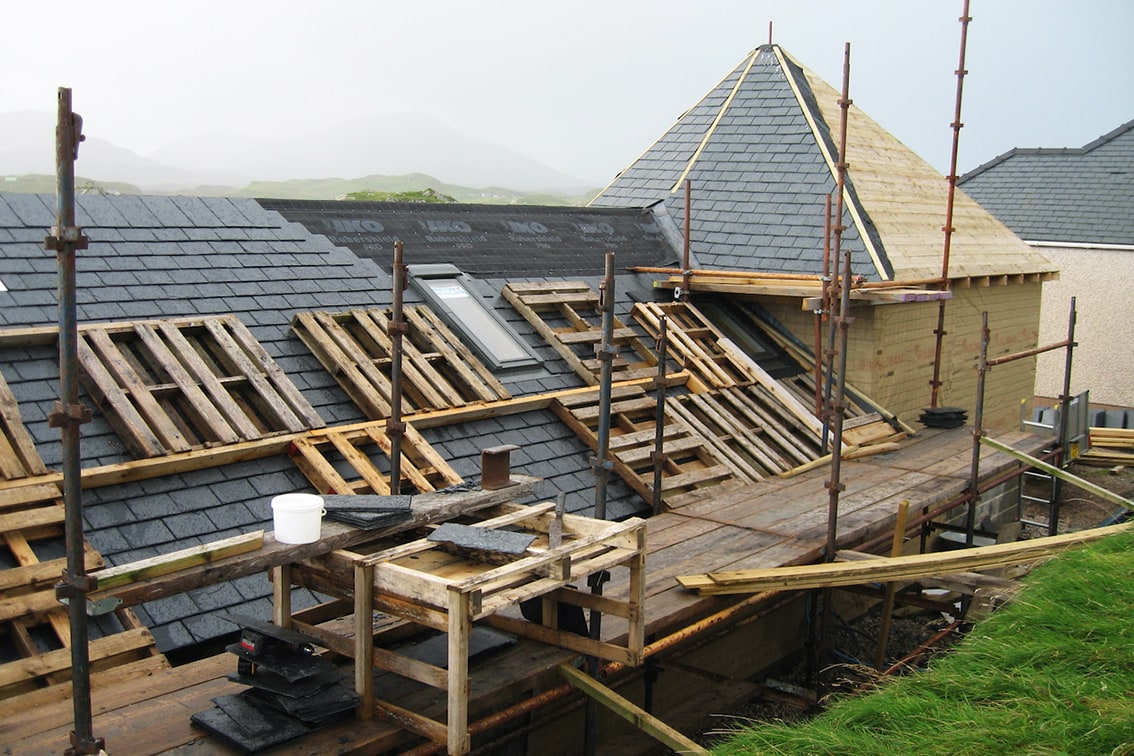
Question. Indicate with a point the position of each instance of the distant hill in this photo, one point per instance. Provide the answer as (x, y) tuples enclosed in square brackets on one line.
[(387, 144), (316, 189), (390, 145), (27, 146)]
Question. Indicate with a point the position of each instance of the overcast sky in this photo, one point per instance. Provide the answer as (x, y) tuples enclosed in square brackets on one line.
[(584, 86)]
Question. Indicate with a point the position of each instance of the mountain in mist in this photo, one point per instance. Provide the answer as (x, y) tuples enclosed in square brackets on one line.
[(27, 145), (389, 144), (379, 144)]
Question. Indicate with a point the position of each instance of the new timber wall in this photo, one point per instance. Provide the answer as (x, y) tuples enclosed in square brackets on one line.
[(891, 347)]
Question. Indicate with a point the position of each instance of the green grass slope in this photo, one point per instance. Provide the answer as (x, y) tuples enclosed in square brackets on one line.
[(1052, 673)]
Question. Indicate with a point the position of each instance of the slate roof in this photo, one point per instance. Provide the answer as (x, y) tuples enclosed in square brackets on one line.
[(510, 241), (760, 151), (1081, 195), (758, 184), (173, 257)]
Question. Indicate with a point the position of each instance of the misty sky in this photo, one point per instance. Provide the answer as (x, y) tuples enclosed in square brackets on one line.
[(583, 86)]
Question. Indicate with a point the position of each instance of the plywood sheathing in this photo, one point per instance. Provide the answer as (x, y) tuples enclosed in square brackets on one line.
[(905, 200)]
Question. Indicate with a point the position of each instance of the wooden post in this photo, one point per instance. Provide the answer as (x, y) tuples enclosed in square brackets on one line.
[(459, 627), (364, 638), (281, 595), (888, 601), (636, 598)]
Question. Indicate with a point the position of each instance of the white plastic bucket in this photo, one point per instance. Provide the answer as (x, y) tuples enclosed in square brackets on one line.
[(297, 517)]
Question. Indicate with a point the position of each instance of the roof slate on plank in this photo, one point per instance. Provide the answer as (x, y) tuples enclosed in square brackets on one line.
[(1076, 195)]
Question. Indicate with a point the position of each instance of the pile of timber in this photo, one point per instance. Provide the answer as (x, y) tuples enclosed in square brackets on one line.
[(882, 569), (1110, 447)]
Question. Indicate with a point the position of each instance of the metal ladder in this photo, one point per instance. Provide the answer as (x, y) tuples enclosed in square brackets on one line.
[(1077, 441)]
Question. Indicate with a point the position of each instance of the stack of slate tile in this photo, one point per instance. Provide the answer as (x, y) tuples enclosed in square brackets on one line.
[(291, 690), (943, 417), (368, 511)]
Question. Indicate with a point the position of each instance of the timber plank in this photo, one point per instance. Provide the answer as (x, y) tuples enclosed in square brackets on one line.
[(583, 328), (16, 435), (106, 372), (32, 518), (715, 446), (233, 339), (360, 463), (284, 388), (885, 569), (520, 302), (421, 381), (363, 334), (178, 560), (750, 441), (42, 575), (317, 469), (11, 466), (211, 383), (476, 377), (370, 396), (200, 404), (54, 661), (768, 442), (409, 469)]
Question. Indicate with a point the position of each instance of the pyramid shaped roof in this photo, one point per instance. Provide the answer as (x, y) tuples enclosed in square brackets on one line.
[(760, 151)]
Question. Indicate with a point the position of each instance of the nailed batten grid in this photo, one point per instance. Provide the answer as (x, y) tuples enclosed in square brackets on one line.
[(177, 385)]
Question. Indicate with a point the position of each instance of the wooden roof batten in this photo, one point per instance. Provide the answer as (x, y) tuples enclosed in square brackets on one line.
[(808, 288)]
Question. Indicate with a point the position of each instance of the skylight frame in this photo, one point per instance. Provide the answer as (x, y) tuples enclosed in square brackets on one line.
[(450, 293)]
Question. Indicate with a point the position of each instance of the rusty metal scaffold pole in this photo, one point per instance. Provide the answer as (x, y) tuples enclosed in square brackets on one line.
[(658, 455), (686, 266), (824, 310), (842, 286), (978, 432), (69, 414), (835, 406), (939, 332), (606, 352), (396, 328), (1062, 451)]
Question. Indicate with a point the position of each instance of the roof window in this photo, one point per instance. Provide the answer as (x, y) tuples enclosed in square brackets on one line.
[(449, 293)]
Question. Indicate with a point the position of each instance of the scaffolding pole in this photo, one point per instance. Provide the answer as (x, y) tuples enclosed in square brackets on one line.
[(824, 310), (1064, 419), (658, 455), (68, 415), (984, 365), (606, 352), (841, 285), (939, 332), (396, 329)]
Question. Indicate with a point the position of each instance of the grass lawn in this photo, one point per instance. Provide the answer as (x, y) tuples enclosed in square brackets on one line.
[(1052, 673)]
